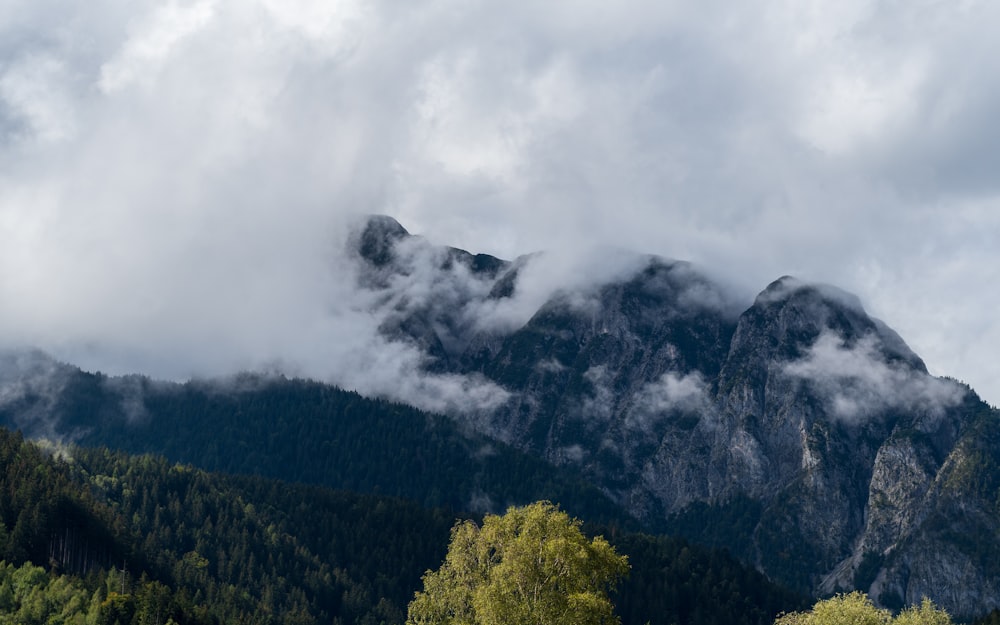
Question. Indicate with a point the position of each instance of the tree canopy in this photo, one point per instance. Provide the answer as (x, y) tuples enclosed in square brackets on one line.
[(533, 565), (856, 609)]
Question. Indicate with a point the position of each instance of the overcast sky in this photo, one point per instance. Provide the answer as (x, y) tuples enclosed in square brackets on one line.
[(175, 175)]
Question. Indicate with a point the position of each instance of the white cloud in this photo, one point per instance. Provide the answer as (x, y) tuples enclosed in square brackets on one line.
[(30, 385), (687, 393), (672, 395), (550, 366), (571, 454), (851, 110), (858, 382), (600, 402), (32, 89), (151, 42), (172, 174), (339, 22), (575, 275)]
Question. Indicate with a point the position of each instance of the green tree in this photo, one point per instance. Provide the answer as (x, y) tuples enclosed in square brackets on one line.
[(925, 614), (533, 565), (856, 609)]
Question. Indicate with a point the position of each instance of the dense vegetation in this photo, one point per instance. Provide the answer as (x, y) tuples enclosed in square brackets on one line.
[(993, 618), (141, 539), (676, 582), (57, 521), (308, 432), (857, 609), (530, 565)]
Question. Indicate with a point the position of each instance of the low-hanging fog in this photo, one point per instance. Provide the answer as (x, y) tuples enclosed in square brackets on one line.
[(178, 179)]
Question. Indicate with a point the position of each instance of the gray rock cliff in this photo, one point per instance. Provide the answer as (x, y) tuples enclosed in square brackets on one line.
[(796, 430)]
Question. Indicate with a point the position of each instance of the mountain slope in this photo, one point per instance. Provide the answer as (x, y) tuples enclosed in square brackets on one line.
[(294, 430), (164, 540), (793, 429), (799, 411)]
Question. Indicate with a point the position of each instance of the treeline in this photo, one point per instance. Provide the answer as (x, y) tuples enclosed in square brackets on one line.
[(46, 516), (993, 618), (263, 551), (169, 541), (30, 595), (49, 516), (673, 582), (309, 432)]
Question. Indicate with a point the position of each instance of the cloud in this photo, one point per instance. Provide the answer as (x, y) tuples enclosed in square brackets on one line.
[(426, 279), (599, 404), (670, 396), (131, 392), (34, 101), (573, 454), (30, 386), (150, 45), (354, 351), (395, 370), (550, 366), (174, 176), (857, 381), (685, 393), (574, 277)]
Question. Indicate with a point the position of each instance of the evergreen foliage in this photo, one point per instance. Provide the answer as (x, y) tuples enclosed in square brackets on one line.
[(144, 540), (308, 432), (993, 618), (676, 583)]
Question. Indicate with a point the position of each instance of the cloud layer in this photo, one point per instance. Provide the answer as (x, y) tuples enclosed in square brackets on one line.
[(175, 177), (858, 382)]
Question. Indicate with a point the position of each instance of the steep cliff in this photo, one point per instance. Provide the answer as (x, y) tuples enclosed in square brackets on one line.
[(796, 430), (791, 428)]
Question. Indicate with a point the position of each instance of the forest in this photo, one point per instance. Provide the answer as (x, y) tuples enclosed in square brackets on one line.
[(288, 501), (98, 537)]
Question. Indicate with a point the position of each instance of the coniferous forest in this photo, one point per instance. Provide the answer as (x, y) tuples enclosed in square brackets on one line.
[(271, 500), (95, 536)]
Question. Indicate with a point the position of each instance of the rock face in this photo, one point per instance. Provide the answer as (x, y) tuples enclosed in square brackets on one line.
[(796, 430)]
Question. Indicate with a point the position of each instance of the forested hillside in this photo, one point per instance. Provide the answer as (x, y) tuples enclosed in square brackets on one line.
[(801, 434), (141, 539), (300, 431)]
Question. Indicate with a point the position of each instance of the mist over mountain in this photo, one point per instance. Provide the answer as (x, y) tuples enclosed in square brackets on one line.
[(792, 428), (841, 452)]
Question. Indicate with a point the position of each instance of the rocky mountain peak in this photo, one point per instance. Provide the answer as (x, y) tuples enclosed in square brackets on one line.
[(808, 421), (376, 240), (790, 316), (810, 307)]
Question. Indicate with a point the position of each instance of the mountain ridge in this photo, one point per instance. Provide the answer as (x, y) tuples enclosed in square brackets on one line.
[(794, 429), (650, 386)]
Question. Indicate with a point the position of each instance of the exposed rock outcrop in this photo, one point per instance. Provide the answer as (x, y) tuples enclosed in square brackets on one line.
[(801, 425)]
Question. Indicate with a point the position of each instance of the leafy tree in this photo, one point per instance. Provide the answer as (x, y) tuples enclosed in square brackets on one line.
[(926, 614), (856, 609), (533, 565)]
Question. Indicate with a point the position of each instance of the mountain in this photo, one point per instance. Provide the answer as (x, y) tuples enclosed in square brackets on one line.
[(796, 430), (295, 430)]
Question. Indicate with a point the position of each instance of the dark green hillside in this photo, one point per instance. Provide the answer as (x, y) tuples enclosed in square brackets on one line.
[(217, 549), (49, 515), (673, 582), (263, 551), (308, 432), (208, 548)]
